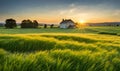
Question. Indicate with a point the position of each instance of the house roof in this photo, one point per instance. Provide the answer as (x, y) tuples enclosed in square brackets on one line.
[(66, 21)]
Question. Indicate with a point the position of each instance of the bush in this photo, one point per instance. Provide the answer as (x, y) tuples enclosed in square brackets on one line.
[(35, 23), (29, 24), (51, 26), (45, 25), (10, 23)]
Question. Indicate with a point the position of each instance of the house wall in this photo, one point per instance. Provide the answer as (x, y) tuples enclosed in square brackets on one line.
[(66, 25), (63, 26)]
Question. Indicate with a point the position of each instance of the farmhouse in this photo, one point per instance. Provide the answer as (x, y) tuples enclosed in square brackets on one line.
[(67, 23)]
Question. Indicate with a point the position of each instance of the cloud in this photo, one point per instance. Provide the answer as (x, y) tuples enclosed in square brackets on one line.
[(69, 11), (72, 5)]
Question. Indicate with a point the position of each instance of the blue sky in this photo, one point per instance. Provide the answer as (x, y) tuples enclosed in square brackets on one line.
[(52, 11)]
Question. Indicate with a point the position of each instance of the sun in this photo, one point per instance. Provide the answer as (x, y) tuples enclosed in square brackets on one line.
[(82, 21)]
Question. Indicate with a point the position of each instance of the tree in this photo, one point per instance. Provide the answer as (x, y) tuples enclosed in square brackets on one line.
[(51, 26), (27, 24), (45, 25), (35, 24), (117, 25), (10, 23)]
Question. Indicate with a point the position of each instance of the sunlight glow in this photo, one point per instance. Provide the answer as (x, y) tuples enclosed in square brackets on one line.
[(82, 21), (81, 24)]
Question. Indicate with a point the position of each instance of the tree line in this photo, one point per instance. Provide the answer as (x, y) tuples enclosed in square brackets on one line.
[(11, 23)]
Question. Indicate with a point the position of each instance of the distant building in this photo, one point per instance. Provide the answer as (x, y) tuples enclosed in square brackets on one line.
[(67, 23)]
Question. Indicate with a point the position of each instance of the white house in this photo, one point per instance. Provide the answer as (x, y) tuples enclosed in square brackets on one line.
[(67, 23)]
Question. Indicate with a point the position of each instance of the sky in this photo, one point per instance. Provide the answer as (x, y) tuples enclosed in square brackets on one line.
[(53, 11)]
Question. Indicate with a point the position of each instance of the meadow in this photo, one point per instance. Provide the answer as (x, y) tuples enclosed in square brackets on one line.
[(84, 49)]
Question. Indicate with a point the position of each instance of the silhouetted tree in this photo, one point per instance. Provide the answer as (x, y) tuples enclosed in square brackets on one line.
[(45, 25), (10, 23), (117, 25), (35, 24), (51, 26), (27, 24)]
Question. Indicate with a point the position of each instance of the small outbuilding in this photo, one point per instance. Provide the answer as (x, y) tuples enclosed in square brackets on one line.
[(67, 23)]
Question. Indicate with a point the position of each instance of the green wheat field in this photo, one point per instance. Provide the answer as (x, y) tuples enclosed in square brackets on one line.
[(85, 49)]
